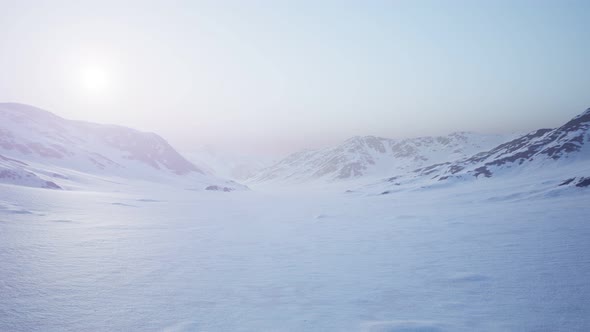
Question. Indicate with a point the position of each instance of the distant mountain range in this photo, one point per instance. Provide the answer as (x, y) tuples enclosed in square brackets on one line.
[(375, 157), (40, 149)]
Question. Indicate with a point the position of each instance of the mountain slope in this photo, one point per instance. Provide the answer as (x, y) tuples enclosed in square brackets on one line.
[(375, 157), (35, 140), (539, 147), (560, 155), (14, 172)]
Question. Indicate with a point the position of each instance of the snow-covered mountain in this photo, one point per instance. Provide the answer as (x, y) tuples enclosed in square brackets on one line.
[(559, 156), (371, 156), (41, 149)]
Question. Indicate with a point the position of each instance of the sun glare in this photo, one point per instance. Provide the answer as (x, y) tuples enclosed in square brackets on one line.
[(94, 79)]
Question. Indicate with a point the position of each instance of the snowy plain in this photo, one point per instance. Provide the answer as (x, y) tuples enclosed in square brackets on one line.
[(152, 257)]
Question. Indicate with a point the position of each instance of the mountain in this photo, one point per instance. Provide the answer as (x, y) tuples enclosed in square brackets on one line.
[(554, 156), (39, 147), (376, 157)]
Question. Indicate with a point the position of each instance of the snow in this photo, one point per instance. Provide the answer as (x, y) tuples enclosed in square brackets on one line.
[(374, 157), (40, 149), (158, 258), (142, 245)]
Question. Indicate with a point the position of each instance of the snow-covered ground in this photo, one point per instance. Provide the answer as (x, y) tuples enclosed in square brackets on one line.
[(468, 257)]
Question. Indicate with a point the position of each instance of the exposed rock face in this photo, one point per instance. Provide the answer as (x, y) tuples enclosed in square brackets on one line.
[(580, 182), (219, 188), (583, 182), (544, 147), (554, 144)]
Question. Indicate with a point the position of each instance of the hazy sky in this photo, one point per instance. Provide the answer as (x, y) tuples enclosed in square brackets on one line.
[(275, 76)]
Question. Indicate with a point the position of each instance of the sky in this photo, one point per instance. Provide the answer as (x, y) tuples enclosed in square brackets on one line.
[(272, 77)]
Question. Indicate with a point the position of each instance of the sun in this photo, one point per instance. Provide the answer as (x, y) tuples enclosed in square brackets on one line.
[(94, 79)]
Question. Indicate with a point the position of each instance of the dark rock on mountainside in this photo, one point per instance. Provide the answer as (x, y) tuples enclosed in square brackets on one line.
[(583, 182), (580, 182), (566, 182), (543, 155), (219, 188), (542, 145)]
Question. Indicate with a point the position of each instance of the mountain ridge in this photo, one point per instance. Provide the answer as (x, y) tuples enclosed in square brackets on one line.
[(558, 157), (41, 139), (372, 156)]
